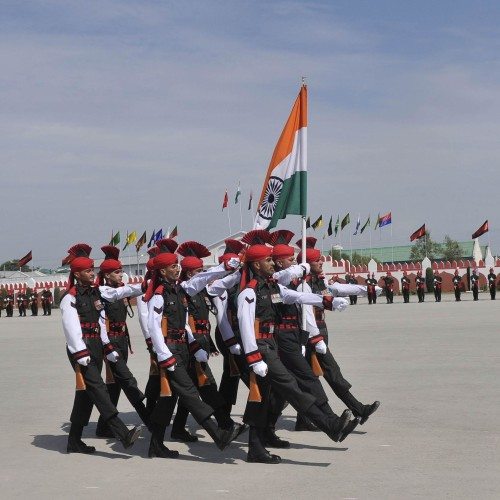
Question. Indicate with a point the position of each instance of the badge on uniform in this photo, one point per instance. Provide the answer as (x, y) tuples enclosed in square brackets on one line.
[(207, 302), (98, 305), (276, 298)]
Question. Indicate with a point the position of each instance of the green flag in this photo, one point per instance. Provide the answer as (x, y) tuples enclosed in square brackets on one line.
[(330, 228), (337, 225), (346, 220), (318, 223), (116, 239), (365, 225)]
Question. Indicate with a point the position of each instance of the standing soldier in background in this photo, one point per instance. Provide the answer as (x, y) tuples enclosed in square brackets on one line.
[(47, 302), (389, 287), (33, 300), (492, 283), (370, 287), (457, 281), (22, 302), (352, 281), (9, 304), (438, 283), (474, 281), (405, 287), (374, 284), (419, 283)]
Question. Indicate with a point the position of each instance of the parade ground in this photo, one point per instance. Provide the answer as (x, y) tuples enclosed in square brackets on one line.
[(434, 367)]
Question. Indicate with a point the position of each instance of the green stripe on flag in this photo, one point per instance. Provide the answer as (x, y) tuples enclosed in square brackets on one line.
[(293, 198)]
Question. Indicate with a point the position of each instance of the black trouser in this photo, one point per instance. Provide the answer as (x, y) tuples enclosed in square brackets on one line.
[(475, 292), (437, 294), (406, 295), (389, 295), (22, 310), (10, 311), (46, 306), (208, 392), (420, 294), (34, 309), (353, 299), (124, 379), (493, 291), (457, 293), (95, 392), (183, 389)]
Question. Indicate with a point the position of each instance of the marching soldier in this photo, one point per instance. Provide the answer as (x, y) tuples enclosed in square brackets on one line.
[(492, 284), (419, 283), (374, 284), (9, 304), (352, 281), (259, 319), (47, 300), (474, 280), (438, 283), (173, 343), (389, 287), (370, 289), (87, 343), (405, 287), (22, 302), (33, 301), (457, 283), (318, 339), (118, 375)]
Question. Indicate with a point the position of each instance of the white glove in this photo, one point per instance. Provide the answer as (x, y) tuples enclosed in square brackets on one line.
[(320, 347), (201, 356), (378, 290), (84, 361), (235, 349), (339, 304), (113, 357), (233, 263), (303, 350), (171, 368), (260, 369), (306, 267)]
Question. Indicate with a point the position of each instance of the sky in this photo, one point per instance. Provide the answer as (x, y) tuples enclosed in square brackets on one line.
[(135, 115)]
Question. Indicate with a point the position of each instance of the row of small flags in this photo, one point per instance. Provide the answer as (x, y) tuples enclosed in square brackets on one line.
[(382, 221), (225, 201), (132, 238)]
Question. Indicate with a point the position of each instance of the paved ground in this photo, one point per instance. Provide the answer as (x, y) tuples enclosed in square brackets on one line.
[(434, 367)]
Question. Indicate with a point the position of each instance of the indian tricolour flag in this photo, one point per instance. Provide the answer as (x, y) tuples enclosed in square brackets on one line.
[(285, 187)]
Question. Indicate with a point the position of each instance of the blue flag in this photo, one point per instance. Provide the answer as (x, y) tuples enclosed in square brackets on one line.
[(159, 235), (152, 239)]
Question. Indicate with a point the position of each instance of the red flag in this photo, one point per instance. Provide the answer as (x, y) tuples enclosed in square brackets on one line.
[(483, 229), (22, 262), (226, 201), (419, 233)]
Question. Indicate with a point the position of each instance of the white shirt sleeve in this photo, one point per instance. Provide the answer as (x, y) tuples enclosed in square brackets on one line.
[(155, 314), (225, 329), (199, 281), (102, 326), (71, 324), (344, 289), (308, 310), (218, 287), (293, 297), (142, 313), (246, 319), (286, 276), (111, 294)]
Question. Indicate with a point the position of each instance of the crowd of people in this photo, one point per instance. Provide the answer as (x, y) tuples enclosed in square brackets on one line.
[(271, 332)]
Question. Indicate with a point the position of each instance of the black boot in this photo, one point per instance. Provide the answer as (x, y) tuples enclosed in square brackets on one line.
[(349, 428), (75, 443), (330, 425), (352, 403), (221, 437), (156, 446), (121, 432), (368, 410), (183, 435), (304, 424), (257, 453), (274, 441)]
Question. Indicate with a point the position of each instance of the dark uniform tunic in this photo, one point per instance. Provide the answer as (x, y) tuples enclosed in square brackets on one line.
[(22, 302), (47, 302), (438, 283), (492, 285), (405, 288), (457, 281), (419, 283), (474, 280), (34, 304), (389, 288)]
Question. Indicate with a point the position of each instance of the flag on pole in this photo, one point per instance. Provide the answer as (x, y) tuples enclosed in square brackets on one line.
[(130, 239), (483, 229), (24, 260), (115, 239), (140, 242), (378, 221), (365, 225), (225, 201), (318, 223), (238, 192), (285, 186), (250, 198), (152, 239), (174, 233), (308, 223), (358, 223), (419, 233), (385, 220), (330, 228), (346, 220), (337, 225), (159, 235)]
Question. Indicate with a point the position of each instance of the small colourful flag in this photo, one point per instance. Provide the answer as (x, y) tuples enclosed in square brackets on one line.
[(308, 222), (159, 235), (174, 233), (318, 223), (225, 201), (346, 220), (378, 222), (130, 239), (419, 233), (337, 225), (385, 220), (358, 223), (24, 260), (483, 229), (365, 225), (115, 239), (238, 192), (140, 242), (250, 200), (330, 228), (152, 239)]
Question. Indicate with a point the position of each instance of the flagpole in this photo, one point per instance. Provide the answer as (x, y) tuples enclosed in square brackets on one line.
[(370, 241), (137, 255), (229, 220), (304, 230), (241, 216), (392, 244), (350, 239)]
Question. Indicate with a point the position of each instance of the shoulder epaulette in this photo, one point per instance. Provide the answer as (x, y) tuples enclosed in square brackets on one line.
[(71, 291), (159, 290), (252, 284)]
